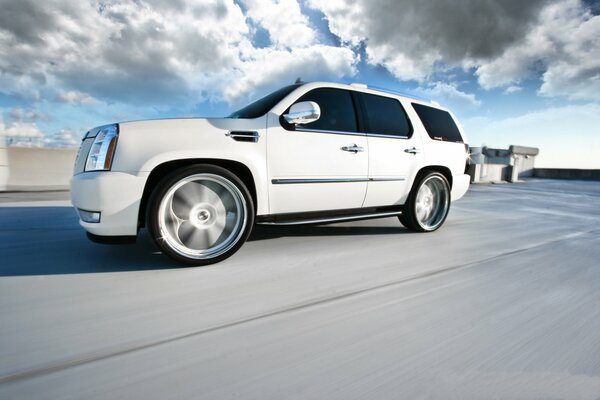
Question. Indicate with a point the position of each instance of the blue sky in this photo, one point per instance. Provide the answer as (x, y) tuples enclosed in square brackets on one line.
[(514, 72)]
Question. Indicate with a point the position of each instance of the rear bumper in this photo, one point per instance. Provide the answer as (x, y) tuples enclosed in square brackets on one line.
[(460, 185), (116, 195)]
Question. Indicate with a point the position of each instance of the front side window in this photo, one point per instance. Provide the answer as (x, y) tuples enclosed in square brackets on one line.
[(337, 110), (439, 124), (264, 105), (385, 116)]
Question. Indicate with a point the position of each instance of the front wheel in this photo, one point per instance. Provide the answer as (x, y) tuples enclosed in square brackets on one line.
[(428, 203), (200, 215)]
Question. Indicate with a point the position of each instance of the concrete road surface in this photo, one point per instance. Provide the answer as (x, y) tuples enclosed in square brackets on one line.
[(502, 303)]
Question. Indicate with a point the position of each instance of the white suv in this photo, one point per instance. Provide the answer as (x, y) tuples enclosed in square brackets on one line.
[(307, 153)]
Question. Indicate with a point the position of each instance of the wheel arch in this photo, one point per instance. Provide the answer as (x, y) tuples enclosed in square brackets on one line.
[(435, 168), (160, 171)]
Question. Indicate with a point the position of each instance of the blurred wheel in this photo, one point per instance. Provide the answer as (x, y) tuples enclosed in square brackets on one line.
[(201, 215), (428, 203)]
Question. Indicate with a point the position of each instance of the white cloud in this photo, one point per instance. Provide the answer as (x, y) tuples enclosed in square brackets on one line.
[(74, 97), (505, 42), (22, 129), (153, 51), (568, 136), (63, 139), (268, 68), (27, 115), (283, 19), (564, 45), (413, 38), (513, 89), (446, 92)]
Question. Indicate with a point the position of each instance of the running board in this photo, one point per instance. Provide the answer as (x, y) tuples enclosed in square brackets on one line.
[(328, 220)]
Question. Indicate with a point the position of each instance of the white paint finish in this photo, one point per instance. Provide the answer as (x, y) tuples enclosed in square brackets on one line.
[(387, 158), (514, 315), (314, 155), (460, 185), (115, 194), (280, 154), (144, 145)]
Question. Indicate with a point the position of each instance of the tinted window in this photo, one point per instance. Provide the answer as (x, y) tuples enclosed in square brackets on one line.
[(385, 116), (438, 123), (264, 105), (337, 110)]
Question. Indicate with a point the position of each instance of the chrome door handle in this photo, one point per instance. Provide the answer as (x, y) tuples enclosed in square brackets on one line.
[(353, 148), (412, 150)]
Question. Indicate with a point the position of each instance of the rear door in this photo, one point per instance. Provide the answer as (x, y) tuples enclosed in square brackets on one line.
[(395, 151)]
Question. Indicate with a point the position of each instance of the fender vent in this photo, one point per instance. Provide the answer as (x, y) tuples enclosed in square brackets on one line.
[(244, 136)]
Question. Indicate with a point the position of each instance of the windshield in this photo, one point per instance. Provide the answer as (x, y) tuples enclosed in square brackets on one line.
[(262, 106)]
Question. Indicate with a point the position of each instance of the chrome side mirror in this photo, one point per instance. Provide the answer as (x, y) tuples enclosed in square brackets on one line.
[(302, 113)]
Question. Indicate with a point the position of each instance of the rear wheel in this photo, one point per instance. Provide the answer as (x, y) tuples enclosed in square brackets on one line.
[(200, 215), (428, 203)]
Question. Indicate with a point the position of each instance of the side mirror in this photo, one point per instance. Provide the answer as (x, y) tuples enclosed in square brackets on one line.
[(302, 113)]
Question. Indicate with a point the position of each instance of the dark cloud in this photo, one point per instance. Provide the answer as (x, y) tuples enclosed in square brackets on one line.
[(133, 51)]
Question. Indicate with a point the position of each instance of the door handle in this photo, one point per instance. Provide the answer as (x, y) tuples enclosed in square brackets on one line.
[(353, 148), (412, 150)]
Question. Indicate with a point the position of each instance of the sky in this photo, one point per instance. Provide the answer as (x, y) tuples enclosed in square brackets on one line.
[(513, 71)]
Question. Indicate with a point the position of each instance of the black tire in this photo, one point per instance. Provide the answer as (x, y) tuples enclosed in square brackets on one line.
[(195, 204), (415, 216)]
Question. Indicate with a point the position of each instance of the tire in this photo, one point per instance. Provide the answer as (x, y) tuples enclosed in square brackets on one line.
[(428, 203), (200, 215)]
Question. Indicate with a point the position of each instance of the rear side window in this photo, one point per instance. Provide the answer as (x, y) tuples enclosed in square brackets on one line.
[(385, 116), (438, 123), (337, 110)]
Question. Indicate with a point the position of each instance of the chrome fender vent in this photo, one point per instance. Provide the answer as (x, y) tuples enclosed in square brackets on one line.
[(244, 136)]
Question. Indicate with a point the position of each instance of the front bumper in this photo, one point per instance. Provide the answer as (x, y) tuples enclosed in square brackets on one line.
[(116, 195)]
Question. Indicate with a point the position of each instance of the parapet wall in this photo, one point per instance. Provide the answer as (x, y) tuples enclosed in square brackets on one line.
[(564, 173), (36, 168), (51, 169)]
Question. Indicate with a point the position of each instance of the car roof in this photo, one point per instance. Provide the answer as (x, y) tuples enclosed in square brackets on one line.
[(360, 87)]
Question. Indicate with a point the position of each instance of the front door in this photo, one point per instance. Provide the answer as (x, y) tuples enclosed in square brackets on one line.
[(318, 166)]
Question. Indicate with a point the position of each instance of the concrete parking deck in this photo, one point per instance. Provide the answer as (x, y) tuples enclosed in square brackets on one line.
[(502, 302)]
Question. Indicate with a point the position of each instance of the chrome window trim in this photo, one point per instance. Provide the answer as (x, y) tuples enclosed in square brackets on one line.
[(288, 181), (382, 135)]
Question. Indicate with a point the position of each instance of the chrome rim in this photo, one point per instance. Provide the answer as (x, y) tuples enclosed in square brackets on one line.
[(202, 216), (432, 202)]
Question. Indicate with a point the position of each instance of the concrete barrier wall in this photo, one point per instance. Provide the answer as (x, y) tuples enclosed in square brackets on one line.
[(564, 173), (51, 169), (38, 169), (3, 163)]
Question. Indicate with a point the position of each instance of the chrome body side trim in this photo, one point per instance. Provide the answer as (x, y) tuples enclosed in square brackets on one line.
[(286, 181), (387, 179)]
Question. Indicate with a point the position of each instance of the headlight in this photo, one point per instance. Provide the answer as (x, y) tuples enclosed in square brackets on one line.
[(103, 149)]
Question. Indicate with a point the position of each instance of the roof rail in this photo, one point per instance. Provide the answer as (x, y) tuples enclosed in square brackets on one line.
[(403, 94)]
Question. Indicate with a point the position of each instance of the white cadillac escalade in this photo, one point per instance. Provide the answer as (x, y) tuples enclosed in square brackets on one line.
[(307, 153)]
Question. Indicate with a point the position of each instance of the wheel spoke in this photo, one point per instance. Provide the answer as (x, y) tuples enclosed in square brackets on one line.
[(431, 202), (202, 215), (193, 237)]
